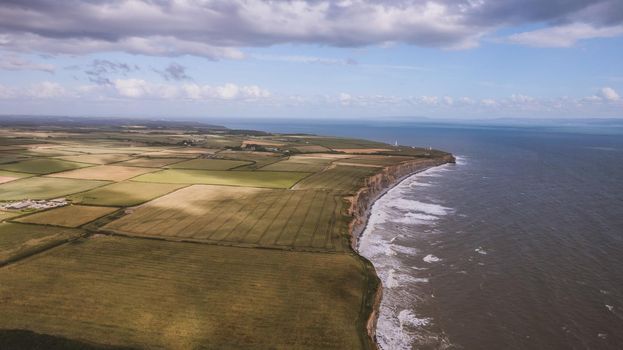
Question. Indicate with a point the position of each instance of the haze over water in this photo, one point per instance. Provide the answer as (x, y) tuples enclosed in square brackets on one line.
[(518, 246)]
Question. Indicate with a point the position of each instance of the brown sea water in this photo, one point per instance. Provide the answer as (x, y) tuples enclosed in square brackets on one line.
[(517, 246)]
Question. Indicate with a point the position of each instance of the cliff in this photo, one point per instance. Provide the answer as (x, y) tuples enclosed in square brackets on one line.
[(359, 209)]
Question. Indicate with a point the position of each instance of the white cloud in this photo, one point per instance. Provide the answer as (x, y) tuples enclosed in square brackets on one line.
[(138, 88), (14, 62), (149, 45), (488, 102), (564, 35), (610, 94), (519, 98), (345, 99), (46, 90), (133, 88)]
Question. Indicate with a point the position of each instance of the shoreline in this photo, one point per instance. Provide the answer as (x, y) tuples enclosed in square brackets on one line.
[(361, 208)]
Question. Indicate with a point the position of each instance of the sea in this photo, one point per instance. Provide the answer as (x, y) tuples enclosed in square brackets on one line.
[(519, 245)]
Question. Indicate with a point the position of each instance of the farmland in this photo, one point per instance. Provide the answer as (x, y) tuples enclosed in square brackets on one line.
[(104, 172), (42, 166), (68, 216), (250, 216), (341, 178), (97, 158), (270, 179), (182, 296), (299, 163), (147, 162), (184, 237), (45, 187), (124, 193), (19, 239), (208, 164)]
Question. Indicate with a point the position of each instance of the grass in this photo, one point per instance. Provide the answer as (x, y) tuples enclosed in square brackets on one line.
[(97, 158), (259, 159), (47, 152), (299, 163), (303, 220), (102, 150), (42, 166), (68, 216), (311, 149), (124, 193), (44, 188), (11, 158), (378, 160), (155, 294), (18, 240), (334, 142), (104, 172), (341, 178), (269, 179), (209, 164), (150, 162)]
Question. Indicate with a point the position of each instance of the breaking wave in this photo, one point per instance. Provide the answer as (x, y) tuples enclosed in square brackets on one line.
[(388, 243)]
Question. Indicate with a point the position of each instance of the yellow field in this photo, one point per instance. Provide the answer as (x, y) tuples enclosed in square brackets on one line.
[(304, 220), (68, 216), (153, 294), (104, 172)]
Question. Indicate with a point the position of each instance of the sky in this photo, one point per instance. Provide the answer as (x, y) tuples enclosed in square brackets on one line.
[(312, 59)]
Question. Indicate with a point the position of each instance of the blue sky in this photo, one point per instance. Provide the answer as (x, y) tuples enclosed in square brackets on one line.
[(312, 59)]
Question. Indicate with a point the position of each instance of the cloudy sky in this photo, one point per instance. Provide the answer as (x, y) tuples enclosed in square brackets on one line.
[(312, 58)]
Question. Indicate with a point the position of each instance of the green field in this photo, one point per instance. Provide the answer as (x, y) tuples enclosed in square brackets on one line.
[(17, 240), (258, 159), (11, 157), (124, 193), (42, 166), (377, 160), (304, 220), (155, 294), (45, 188), (299, 163), (341, 178), (47, 152), (150, 162), (68, 216), (104, 172), (208, 164), (97, 158), (269, 179)]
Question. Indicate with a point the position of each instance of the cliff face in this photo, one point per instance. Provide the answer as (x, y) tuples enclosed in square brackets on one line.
[(359, 208)]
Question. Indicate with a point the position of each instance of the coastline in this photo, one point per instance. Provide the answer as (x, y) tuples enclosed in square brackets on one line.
[(361, 204)]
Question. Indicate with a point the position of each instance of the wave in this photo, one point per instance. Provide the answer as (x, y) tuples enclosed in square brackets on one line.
[(387, 242)]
